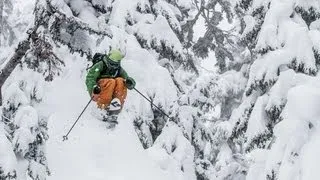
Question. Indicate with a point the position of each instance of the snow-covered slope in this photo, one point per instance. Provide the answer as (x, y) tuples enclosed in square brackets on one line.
[(92, 151)]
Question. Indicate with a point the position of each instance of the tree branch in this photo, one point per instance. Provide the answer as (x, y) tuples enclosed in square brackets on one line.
[(21, 50)]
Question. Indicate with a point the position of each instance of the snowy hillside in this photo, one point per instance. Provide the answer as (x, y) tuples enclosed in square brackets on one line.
[(238, 79), (92, 152)]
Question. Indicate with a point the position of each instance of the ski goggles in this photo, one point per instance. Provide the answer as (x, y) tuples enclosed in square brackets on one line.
[(113, 64)]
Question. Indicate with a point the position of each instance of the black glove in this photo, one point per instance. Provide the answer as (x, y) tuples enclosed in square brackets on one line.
[(130, 83), (96, 89)]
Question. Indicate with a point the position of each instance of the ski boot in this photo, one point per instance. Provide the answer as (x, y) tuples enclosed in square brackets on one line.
[(113, 111)]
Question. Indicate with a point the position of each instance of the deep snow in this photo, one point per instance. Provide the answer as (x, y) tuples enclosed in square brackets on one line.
[(92, 152)]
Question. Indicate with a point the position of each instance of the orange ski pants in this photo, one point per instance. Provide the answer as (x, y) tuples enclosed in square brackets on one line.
[(110, 89)]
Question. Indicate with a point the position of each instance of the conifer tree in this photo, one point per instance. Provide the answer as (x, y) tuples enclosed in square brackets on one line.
[(219, 93), (281, 36)]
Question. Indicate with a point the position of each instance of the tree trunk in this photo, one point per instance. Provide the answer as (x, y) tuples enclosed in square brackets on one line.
[(13, 62)]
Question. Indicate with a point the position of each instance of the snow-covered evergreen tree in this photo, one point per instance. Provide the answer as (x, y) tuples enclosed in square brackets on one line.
[(214, 96), (215, 39), (283, 40), (7, 158)]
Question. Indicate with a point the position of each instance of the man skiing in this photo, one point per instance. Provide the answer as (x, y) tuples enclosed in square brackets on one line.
[(107, 82)]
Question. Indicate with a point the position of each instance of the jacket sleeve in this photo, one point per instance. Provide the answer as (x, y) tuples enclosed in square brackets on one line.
[(123, 74), (92, 76)]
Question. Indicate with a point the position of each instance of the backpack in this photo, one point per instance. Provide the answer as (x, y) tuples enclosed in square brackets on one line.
[(96, 58)]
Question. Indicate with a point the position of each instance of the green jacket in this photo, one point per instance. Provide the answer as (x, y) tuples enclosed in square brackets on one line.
[(99, 71)]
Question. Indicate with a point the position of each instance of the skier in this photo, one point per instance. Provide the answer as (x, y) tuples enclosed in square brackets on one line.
[(107, 83)]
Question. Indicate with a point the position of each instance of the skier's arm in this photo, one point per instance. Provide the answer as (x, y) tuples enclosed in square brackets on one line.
[(92, 76), (130, 83), (124, 74)]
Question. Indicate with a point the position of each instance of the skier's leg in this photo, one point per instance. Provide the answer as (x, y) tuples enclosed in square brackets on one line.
[(107, 87), (120, 90)]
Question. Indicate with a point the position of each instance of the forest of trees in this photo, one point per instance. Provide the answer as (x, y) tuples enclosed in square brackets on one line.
[(218, 117)]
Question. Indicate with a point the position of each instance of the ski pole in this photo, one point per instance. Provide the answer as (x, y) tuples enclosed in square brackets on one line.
[(65, 137), (152, 103)]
